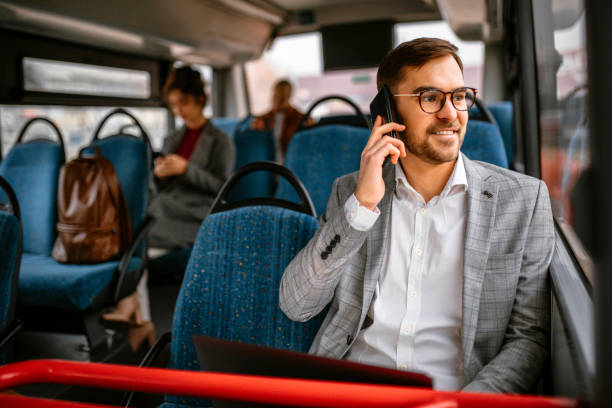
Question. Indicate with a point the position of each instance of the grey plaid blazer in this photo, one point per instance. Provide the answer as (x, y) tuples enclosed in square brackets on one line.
[(508, 246)]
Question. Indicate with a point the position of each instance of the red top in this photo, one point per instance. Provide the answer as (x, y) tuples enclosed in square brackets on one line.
[(189, 142)]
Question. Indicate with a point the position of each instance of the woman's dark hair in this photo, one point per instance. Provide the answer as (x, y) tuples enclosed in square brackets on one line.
[(415, 53), (188, 81)]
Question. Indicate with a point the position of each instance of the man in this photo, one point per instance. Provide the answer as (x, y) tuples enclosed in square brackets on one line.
[(434, 263), (283, 119)]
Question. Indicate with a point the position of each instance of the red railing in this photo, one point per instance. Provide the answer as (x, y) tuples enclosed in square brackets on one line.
[(286, 391)]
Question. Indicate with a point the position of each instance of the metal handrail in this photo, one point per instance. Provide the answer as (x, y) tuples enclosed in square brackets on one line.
[(250, 388)]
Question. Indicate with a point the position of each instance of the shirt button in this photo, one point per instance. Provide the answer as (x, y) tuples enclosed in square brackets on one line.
[(352, 215), (407, 328), (418, 251), (423, 211), (403, 367), (413, 293)]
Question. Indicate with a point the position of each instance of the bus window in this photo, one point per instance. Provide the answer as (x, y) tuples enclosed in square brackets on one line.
[(471, 52), (299, 58), (562, 91), (42, 75), (77, 124)]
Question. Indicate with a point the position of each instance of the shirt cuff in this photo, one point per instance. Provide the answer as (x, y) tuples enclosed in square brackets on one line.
[(359, 217)]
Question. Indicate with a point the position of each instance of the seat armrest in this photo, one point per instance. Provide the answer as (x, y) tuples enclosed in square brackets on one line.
[(129, 254), (10, 332), (149, 359)]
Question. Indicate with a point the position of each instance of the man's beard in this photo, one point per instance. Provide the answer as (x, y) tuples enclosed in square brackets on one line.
[(426, 151)]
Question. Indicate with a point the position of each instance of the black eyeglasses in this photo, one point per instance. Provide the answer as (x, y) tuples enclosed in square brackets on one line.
[(433, 100)]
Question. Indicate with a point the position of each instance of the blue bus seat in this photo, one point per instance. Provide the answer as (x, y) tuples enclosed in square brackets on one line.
[(10, 258), (483, 141), (227, 125), (47, 287), (32, 168), (252, 146), (47, 283), (231, 126), (131, 158), (504, 116), (320, 155), (230, 288)]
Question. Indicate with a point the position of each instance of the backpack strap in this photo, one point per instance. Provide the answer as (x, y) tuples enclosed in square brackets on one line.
[(116, 193)]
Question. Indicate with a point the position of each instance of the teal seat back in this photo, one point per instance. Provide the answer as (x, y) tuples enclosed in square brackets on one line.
[(320, 155), (230, 288), (32, 169)]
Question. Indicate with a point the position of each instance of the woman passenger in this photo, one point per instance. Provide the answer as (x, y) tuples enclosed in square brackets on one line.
[(195, 162)]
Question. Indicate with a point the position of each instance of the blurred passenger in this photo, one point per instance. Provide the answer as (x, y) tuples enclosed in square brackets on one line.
[(195, 161), (282, 120)]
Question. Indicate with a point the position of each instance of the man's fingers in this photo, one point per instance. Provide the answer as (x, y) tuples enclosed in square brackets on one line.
[(385, 150), (398, 144), (376, 155), (388, 127), (373, 136), (379, 130)]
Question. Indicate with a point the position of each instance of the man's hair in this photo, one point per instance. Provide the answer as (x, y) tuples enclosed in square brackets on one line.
[(283, 82), (415, 53), (188, 81)]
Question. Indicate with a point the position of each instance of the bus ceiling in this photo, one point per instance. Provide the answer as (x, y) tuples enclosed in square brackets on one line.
[(221, 33)]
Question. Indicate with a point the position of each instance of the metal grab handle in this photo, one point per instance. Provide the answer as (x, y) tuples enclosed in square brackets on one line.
[(305, 206), (10, 193), (121, 111), (306, 116), (484, 111), (40, 119)]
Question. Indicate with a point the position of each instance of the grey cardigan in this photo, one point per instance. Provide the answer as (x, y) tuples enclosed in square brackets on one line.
[(182, 202), (509, 242)]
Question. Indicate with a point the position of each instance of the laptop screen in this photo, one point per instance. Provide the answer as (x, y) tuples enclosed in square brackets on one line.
[(218, 355)]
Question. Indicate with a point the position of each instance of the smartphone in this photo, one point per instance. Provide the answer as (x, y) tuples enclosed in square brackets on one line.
[(382, 105)]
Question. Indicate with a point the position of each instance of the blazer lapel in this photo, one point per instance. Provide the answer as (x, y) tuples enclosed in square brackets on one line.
[(172, 142), (481, 204), (377, 241), (201, 150)]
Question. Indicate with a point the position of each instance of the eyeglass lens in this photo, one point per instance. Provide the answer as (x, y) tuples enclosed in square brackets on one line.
[(433, 101)]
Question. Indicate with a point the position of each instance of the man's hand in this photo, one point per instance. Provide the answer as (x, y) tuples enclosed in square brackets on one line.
[(170, 165), (370, 185)]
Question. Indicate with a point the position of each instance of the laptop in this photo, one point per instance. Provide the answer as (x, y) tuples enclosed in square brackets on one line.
[(218, 355)]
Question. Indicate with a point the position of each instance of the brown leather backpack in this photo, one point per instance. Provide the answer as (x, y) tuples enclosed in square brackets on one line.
[(93, 219)]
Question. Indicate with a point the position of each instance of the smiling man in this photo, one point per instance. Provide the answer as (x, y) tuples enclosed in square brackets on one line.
[(432, 263)]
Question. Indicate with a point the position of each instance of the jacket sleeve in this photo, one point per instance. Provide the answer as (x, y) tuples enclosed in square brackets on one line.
[(209, 176), (310, 280), (523, 355)]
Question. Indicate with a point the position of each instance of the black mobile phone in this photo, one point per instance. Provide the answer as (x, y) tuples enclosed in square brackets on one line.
[(382, 105)]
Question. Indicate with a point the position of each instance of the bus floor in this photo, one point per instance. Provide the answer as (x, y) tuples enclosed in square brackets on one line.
[(29, 345)]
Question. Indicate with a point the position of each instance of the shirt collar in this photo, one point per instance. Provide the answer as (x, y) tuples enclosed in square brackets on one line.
[(456, 182)]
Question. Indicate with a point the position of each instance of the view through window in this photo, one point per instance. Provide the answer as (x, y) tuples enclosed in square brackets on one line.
[(299, 58), (77, 124), (564, 127)]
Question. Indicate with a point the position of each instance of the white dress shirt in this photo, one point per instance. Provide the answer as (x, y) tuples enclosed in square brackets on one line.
[(417, 306)]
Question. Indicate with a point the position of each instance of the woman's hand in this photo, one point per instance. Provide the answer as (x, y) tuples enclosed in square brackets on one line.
[(170, 165)]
